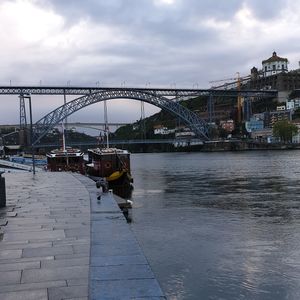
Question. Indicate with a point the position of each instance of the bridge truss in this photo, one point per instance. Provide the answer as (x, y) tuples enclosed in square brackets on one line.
[(175, 93), (164, 98), (45, 124)]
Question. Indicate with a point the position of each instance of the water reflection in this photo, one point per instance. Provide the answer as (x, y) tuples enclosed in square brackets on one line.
[(220, 226)]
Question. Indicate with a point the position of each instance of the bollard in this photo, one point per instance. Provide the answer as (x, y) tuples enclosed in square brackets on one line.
[(2, 191)]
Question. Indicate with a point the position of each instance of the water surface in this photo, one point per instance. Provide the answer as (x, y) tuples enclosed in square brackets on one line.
[(220, 225)]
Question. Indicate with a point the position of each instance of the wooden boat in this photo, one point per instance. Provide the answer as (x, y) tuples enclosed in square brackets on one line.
[(68, 159), (110, 163)]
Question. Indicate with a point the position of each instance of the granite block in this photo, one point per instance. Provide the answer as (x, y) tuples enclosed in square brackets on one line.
[(9, 277), (32, 286), (51, 274), (20, 266), (125, 289), (118, 260), (12, 246), (121, 272), (34, 235), (65, 262), (46, 251), (108, 250), (67, 292), (79, 281), (6, 254), (25, 295)]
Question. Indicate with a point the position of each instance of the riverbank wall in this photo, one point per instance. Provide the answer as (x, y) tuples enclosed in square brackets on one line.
[(212, 146)]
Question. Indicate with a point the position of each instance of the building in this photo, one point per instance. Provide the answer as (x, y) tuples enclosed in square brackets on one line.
[(274, 65), (184, 132), (274, 116), (254, 124), (274, 75), (160, 129), (227, 125), (263, 135), (296, 137)]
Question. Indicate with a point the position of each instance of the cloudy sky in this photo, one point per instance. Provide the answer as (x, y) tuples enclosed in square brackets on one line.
[(137, 43)]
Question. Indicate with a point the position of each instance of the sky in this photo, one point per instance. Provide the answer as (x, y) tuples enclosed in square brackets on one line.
[(156, 43)]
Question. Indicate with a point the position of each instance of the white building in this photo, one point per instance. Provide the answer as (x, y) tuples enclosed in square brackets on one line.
[(274, 65), (159, 129), (296, 137), (293, 104)]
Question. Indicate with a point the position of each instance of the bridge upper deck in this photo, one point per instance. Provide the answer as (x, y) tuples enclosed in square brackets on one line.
[(167, 92)]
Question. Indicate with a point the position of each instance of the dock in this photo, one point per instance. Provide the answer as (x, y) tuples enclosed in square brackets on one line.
[(13, 165), (61, 238)]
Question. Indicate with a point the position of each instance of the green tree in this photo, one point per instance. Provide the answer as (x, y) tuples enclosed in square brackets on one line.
[(284, 130), (296, 114)]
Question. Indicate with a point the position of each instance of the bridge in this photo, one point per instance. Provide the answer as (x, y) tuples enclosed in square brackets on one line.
[(94, 125), (164, 92), (164, 98)]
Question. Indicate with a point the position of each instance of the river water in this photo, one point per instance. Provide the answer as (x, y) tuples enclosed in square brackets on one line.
[(220, 225)]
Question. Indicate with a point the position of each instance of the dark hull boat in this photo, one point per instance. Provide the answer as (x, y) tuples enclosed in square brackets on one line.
[(112, 164), (68, 159)]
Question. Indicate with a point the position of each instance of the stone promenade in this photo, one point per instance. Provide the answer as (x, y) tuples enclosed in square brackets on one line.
[(45, 243)]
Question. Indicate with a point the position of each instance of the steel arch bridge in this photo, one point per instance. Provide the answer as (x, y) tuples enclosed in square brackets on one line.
[(191, 119)]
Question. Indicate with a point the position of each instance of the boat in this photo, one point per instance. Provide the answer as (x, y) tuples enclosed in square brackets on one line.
[(66, 159), (113, 164), (110, 164)]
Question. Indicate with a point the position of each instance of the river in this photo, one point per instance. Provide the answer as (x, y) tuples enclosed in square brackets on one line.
[(220, 225)]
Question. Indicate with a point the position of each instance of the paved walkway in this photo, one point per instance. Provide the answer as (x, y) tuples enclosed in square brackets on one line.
[(45, 249), (49, 232)]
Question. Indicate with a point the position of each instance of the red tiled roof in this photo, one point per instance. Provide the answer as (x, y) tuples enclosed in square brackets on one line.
[(273, 58)]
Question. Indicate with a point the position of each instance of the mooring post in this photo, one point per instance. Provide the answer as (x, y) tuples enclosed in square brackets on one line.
[(2, 191)]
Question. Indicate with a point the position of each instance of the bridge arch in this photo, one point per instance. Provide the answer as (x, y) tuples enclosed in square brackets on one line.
[(49, 121)]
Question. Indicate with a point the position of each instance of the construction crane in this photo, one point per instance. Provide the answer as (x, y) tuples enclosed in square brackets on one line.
[(237, 82), (232, 81)]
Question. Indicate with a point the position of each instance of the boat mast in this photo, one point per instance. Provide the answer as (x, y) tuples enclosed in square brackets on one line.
[(106, 123), (63, 137)]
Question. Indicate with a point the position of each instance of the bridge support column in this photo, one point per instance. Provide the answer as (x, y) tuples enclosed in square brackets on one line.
[(23, 133)]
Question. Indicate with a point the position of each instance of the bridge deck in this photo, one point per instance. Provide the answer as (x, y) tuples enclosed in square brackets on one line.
[(51, 224)]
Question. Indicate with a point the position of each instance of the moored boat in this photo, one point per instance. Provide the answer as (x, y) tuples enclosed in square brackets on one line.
[(68, 159), (110, 163)]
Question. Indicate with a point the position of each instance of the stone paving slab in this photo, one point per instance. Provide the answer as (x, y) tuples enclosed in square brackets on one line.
[(34, 235), (125, 289), (20, 266), (32, 286), (122, 272), (58, 263), (5, 254), (118, 267), (38, 259), (67, 292), (25, 295), (13, 246), (101, 261), (10, 277), (46, 251)]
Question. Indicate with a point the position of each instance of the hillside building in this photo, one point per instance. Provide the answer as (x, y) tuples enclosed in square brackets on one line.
[(274, 65), (274, 75)]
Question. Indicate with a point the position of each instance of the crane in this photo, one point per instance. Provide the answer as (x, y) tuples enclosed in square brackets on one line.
[(237, 82), (234, 81)]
